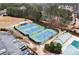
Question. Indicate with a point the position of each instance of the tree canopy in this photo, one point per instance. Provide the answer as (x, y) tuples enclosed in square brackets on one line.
[(35, 11), (54, 47)]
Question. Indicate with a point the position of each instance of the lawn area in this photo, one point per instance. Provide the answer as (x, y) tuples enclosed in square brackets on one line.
[(6, 21)]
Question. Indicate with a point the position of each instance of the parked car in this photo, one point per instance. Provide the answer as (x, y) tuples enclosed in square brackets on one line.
[(23, 48), (2, 51)]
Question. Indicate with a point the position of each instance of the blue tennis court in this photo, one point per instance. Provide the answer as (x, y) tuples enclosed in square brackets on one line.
[(26, 26), (29, 29), (43, 36), (36, 32)]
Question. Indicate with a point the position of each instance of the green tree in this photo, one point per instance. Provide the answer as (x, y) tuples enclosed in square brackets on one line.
[(54, 47), (34, 12), (16, 12)]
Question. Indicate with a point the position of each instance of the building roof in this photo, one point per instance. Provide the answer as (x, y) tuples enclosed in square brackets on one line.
[(3, 11), (77, 11)]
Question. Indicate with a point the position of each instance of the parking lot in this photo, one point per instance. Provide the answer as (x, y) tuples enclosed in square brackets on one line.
[(10, 46)]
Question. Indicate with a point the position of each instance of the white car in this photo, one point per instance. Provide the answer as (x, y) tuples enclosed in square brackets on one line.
[(2, 51)]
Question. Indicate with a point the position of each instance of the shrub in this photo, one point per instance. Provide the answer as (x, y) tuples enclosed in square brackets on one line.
[(47, 46), (19, 37), (54, 47), (3, 29)]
